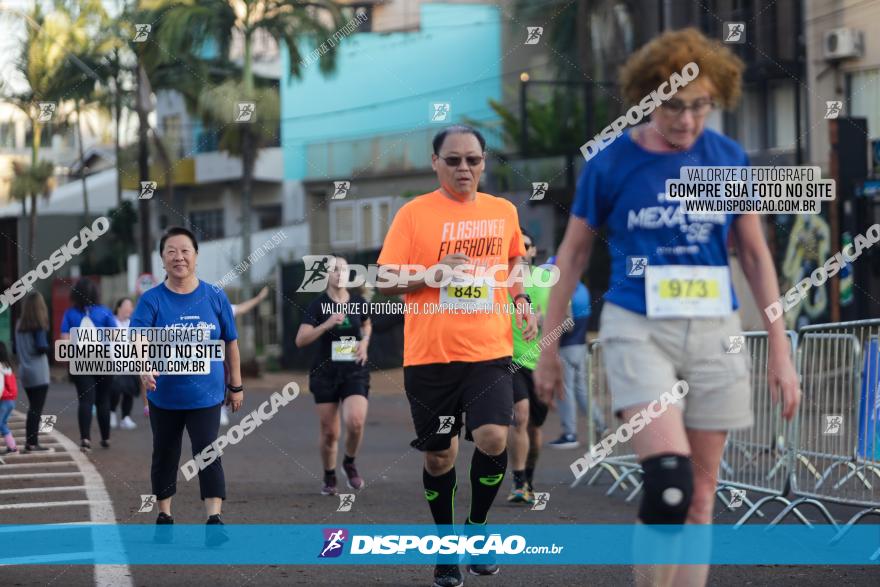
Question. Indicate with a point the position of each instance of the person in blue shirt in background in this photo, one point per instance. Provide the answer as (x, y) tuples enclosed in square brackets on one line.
[(188, 401), (670, 311), (573, 352), (91, 390)]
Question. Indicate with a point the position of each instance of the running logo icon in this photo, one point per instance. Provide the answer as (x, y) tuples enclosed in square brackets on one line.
[(317, 273), (47, 423), (833, 425), (334, 542), (833, 109), (735, 344), (440, 111), (245, 112), (148, 188), (47, 111), (346, 500), (340, 190), (534, 34), (446, 424), (147, 503), (736, 498), (141, 32), (539, 190), (635, 266), (735, 32), (541, 500)]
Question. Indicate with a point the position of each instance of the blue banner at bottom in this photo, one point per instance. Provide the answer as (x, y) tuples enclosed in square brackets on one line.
[(569, 544)]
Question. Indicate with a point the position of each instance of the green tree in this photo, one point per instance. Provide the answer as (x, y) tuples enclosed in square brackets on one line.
[(39, 64), (205, 27)]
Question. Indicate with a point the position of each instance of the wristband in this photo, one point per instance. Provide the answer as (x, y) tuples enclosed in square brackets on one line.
[(235, 389)]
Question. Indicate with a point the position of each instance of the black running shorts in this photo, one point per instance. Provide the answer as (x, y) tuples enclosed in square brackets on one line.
[(330, 386), (441, 394), (524, 388)]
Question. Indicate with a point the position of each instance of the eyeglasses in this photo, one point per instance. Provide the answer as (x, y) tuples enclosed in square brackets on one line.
[(456, 161), (677, 107)]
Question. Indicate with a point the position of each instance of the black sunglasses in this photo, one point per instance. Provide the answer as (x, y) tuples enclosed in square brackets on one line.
[(455, 161)]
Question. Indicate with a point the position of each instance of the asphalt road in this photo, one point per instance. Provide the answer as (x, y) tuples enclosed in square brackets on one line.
[(273, 477)]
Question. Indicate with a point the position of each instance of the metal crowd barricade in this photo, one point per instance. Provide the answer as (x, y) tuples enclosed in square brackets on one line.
[(622, 466), (758, 458), (837, 446)]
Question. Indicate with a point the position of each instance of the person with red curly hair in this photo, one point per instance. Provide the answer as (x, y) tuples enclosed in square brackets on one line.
[(670, 309)]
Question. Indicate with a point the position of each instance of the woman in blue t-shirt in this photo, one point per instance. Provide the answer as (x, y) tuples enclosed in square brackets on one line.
[(91, 390), (188, 401), (669, 312)]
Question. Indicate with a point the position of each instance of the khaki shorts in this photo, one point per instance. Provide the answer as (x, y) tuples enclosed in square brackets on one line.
[(644, 358)]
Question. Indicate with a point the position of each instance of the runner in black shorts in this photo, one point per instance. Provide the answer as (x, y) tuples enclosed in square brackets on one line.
[(457, 362), (339, 373), (529, 410)]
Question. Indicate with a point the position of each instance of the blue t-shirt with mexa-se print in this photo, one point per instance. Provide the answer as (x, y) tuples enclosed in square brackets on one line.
[(202, 308), (624, 188)]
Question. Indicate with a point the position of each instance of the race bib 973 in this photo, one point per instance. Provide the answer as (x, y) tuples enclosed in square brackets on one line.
[(687, 291)]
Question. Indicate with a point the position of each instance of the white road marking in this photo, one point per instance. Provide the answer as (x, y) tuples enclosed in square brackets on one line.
[(42, 489), (100, 510), (43, 504), (40, 475)]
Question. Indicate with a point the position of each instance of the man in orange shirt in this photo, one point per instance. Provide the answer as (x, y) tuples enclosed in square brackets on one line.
[(458, 347)]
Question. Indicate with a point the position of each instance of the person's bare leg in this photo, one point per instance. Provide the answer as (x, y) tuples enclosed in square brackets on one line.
[(213, 505), (354, 414), (663, 435), (328, 418), (707, 447), (519, 435), (165, 505), (439, 462)]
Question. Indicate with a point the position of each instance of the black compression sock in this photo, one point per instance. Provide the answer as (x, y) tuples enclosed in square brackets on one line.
[(440, 493), (486, 475), (347, 460), (531, 461), (519, 479)]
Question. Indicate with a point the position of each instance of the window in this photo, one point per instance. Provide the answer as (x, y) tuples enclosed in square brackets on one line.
[(360, 223), (172, 127), (782, 116), (207, 224), (7, 135), (268, 216), (864, 98)]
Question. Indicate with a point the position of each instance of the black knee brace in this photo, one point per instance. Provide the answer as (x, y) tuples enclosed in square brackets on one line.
[(668, 485)]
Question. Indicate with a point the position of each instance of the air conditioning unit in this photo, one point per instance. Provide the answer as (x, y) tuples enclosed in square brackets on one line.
[(843, 43)]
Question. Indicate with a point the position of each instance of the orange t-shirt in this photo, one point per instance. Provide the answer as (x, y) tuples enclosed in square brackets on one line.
[(424, 231)]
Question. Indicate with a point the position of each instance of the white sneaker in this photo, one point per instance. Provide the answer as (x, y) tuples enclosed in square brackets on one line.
[(127, 423), (113, 421), (224, 417)]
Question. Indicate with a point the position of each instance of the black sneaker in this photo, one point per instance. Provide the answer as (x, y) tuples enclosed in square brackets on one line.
[(37, 448), (447, 576), (215, 533), (105, 443), (484, 570), (85, 445), (163, 534)]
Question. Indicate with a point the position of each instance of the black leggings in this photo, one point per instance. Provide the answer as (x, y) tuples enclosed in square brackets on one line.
[(93, 390), (127, 402), (36, 400), (202, 425)]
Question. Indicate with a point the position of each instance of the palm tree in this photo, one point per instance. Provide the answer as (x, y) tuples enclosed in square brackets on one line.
[(41, 60), (81, 32), (188, 27)]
